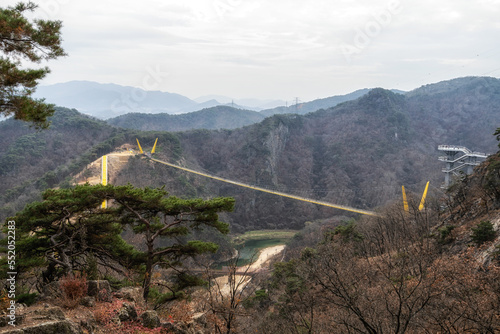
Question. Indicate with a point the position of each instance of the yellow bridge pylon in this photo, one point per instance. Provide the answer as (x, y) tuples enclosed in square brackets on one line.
[(104, 177), (104, 169), (422, 201), (154, 146), (140, 148), (405, 201)]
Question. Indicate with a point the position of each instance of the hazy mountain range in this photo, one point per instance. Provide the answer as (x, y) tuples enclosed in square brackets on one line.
[(111, 100), (107, 101)]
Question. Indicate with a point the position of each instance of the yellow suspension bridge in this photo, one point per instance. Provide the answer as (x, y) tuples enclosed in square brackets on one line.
[(240, 184), (104, 180)]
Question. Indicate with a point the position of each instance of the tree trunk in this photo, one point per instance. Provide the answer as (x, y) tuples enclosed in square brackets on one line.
[(149, 270), (147, 279)]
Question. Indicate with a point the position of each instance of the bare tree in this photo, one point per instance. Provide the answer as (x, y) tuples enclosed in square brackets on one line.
[(227, 295)]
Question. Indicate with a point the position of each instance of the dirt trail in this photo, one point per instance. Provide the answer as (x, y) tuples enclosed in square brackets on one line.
[(92, 173)]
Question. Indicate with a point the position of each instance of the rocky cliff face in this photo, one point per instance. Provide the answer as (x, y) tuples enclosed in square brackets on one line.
[(275, 143)]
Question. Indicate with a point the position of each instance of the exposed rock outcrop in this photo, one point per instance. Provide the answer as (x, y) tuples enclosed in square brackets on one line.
[(150, 319)]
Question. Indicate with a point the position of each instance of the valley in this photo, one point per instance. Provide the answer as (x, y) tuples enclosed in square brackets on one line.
[(356, 154), (237, 167), (314, 199)]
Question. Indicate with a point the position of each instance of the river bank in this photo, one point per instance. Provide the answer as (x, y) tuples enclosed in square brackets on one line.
[(265, 255), (222, 283)]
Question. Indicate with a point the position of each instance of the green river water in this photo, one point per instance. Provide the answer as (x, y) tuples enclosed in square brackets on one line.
[(250, 251)]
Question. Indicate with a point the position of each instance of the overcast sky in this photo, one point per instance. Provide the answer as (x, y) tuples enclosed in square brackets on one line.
[(274, 49)]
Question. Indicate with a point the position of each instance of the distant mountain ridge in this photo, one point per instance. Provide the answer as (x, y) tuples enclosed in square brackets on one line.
[(110, 100), (303, 108), (219, 117), (223, 117), (106, 101), (252, 104)]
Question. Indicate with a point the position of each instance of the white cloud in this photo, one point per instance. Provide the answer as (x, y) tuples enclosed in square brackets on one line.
[(276, 49)]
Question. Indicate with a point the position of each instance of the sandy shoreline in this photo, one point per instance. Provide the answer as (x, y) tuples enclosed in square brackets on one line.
[(264, 255), (222, 285)]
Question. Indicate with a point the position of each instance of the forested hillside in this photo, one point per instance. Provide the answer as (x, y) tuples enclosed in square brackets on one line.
[(463, 111), (358, 153), (220, 117), (32, 161)]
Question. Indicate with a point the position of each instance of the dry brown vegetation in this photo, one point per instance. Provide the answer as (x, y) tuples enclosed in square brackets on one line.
[(399, 272), (395, 279)]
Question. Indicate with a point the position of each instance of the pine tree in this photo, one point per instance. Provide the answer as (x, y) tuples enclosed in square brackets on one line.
[(34, 41), (65, 230), (152, 213), (69, 229)]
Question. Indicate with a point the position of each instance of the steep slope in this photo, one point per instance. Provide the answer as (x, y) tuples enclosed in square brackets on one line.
[(219, 117), (473, 199), (434, 271)]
